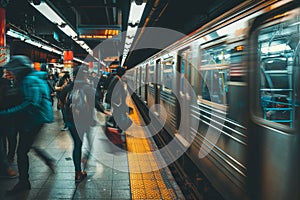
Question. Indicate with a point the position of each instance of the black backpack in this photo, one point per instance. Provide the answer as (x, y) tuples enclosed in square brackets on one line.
[(76, 104)]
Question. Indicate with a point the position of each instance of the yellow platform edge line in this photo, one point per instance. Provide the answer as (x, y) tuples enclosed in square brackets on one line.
[(144, 184)]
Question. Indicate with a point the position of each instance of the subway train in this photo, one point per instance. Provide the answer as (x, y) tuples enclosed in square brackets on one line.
[(243, 69)]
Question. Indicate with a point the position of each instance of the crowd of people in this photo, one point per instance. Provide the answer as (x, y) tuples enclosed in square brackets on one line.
[(29, 95)]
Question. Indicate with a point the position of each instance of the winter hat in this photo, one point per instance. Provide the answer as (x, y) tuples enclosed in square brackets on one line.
[(19, 65)]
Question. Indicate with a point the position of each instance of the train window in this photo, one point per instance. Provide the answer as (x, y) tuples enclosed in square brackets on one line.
[(214, 71), (213, 87), (143, 76), (137, 79), (185, 67), (168, 75), (182, 72), (151, 80), (158, 73), (278, 57)]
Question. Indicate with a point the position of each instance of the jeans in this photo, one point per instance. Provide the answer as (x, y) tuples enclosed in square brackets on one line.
[(77, 145)]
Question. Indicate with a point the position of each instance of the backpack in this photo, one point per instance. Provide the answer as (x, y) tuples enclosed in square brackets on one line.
[(75, 103), (78, 108)]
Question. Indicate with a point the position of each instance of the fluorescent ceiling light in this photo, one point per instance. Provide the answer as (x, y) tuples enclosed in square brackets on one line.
[(34, 43), (28, 40), (49, 13), (136, 12), (16, 34), (52, 16), (68, 31), (135, 15), (81, 61), (275, 48)]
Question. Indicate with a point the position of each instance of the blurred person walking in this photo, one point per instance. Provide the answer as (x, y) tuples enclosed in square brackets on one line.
[(61, 84), (34, 111), (80, 100), (9, 97)]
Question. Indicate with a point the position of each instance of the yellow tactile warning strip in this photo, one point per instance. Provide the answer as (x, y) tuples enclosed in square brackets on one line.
[(146, 180)]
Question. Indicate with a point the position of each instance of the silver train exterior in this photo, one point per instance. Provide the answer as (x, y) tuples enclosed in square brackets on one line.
[(244, 69)]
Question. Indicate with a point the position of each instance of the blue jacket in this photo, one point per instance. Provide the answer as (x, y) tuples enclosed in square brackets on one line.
[(36, 107)]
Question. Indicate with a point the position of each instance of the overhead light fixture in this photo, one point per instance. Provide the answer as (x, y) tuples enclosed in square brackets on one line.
[(275, 48), (45, 9), (31, 41), (49, 13), (136, 11), (81, 61), (37, 44)]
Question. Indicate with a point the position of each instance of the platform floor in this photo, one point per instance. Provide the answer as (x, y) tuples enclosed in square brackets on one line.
[(113, 173)]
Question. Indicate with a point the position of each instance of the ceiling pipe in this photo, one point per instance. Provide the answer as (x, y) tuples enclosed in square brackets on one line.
[(107, 14), (114, 13)]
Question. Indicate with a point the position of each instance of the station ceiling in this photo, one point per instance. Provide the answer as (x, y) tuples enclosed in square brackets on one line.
[(179, 15)]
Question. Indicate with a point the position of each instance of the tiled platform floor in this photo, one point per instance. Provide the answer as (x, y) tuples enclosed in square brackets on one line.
[(108, 176)]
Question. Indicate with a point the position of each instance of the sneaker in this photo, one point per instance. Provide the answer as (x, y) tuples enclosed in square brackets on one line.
[(64, 129), (9, 173), (79, 176), (20, 187)]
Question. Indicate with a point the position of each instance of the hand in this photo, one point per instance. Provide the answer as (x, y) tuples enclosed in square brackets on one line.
[(107, 113)]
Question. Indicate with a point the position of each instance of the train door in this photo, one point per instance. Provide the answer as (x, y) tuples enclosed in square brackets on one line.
[(158, 84), (167, 96), (140, 81), (151, 85), (183, 110), (137, 80), (273, 159), (143, 86)]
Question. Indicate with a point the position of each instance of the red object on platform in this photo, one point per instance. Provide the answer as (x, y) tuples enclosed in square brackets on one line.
[(91, 65), (114, 135), (68, 55)]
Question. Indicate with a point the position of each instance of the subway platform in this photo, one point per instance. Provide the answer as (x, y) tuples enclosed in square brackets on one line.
[(132, 172)]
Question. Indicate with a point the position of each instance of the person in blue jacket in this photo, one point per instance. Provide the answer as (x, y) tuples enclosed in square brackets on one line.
[(34, 111)]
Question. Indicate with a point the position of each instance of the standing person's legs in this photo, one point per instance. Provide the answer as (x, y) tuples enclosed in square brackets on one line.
[(12, 144), (5, 169), (77, 150), (26, 139), (63, 112), (77, 142), (43, 155)]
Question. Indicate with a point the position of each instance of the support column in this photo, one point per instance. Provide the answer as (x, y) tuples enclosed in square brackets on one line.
[(2, 27), (3, 52), (68, 59)]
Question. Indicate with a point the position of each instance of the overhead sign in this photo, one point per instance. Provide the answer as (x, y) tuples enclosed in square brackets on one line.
[(99, 32)]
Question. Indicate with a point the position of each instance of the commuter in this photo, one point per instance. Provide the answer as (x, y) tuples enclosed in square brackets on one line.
[(78, 99), (6, 131), (217, 88), (118, 103), (94, 79), (63, 82), (51, 84), (10, 96), (34, 111)]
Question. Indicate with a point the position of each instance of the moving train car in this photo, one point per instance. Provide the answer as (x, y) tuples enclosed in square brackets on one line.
[(243, 68)]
